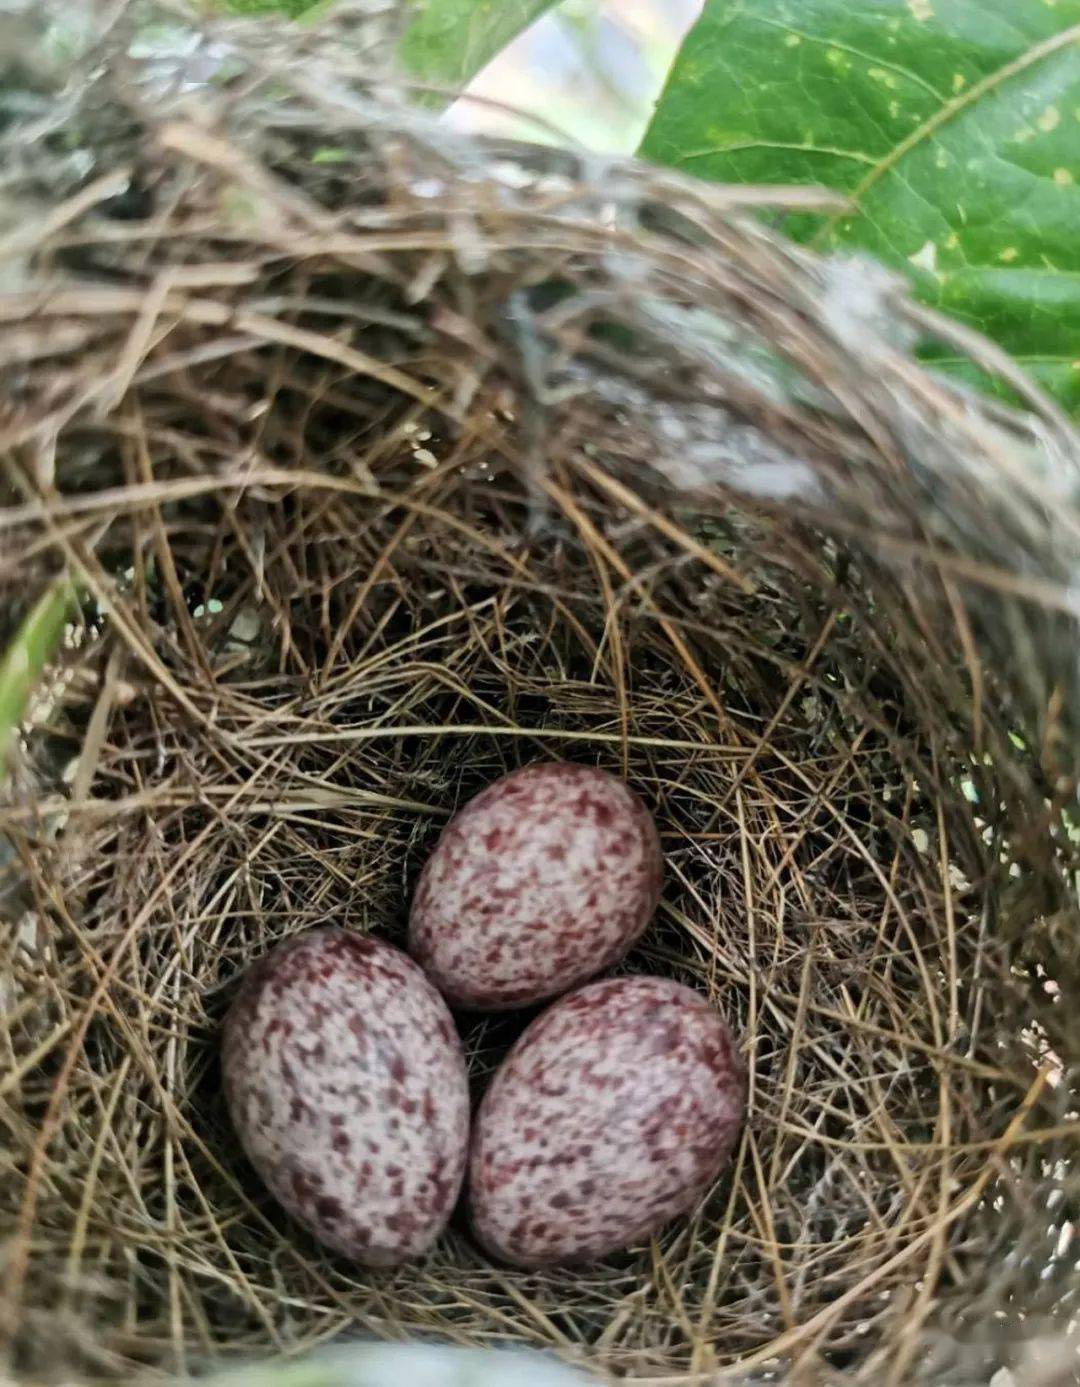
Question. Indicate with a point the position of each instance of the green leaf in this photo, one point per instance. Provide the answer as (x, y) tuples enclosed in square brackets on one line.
[(31, 648), (293, 8), (449, 41), (446, 42), (954, 125)]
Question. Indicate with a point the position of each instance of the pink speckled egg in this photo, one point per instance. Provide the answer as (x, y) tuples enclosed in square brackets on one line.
[(543, 880), (613, 1113), (346, 1082)]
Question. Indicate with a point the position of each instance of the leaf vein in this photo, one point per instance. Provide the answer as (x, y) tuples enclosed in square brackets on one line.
[(883, 63), (740, 146), (952, 108)]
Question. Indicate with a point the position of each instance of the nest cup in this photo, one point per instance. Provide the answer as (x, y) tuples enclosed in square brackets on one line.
[(362, 463)]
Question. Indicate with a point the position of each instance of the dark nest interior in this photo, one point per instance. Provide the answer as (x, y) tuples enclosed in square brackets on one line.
[(363, 464)]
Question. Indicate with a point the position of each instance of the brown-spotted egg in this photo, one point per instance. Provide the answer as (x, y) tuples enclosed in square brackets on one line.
[(346, 1082), (614, 1112), (543, 880)]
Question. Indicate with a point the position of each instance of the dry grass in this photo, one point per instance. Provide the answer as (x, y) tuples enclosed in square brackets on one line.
[(381, 476)]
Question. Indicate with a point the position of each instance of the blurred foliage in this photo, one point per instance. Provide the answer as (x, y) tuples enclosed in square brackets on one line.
[(449, 41), (591, 68), (293, 8)]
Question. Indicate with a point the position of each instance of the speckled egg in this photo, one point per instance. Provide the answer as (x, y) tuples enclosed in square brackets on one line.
[(613, 1113), (346, 1082), (543, 880)]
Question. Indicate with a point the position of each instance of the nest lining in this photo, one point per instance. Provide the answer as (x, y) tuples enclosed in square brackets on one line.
[(379, 476)]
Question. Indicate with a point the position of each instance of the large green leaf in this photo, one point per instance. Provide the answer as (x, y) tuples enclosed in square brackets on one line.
[(954, 124), (449, 41)]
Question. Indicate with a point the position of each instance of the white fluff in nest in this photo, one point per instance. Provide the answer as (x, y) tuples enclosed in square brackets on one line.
[(708, 447), (858, 306)]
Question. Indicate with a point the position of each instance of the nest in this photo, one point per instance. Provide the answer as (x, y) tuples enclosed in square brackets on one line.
[(366, 463)]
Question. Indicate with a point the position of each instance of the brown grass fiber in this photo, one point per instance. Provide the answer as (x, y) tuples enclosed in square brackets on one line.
[(380, 462)]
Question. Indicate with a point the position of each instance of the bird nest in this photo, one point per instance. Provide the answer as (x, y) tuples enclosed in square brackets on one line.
[(361, 463)]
